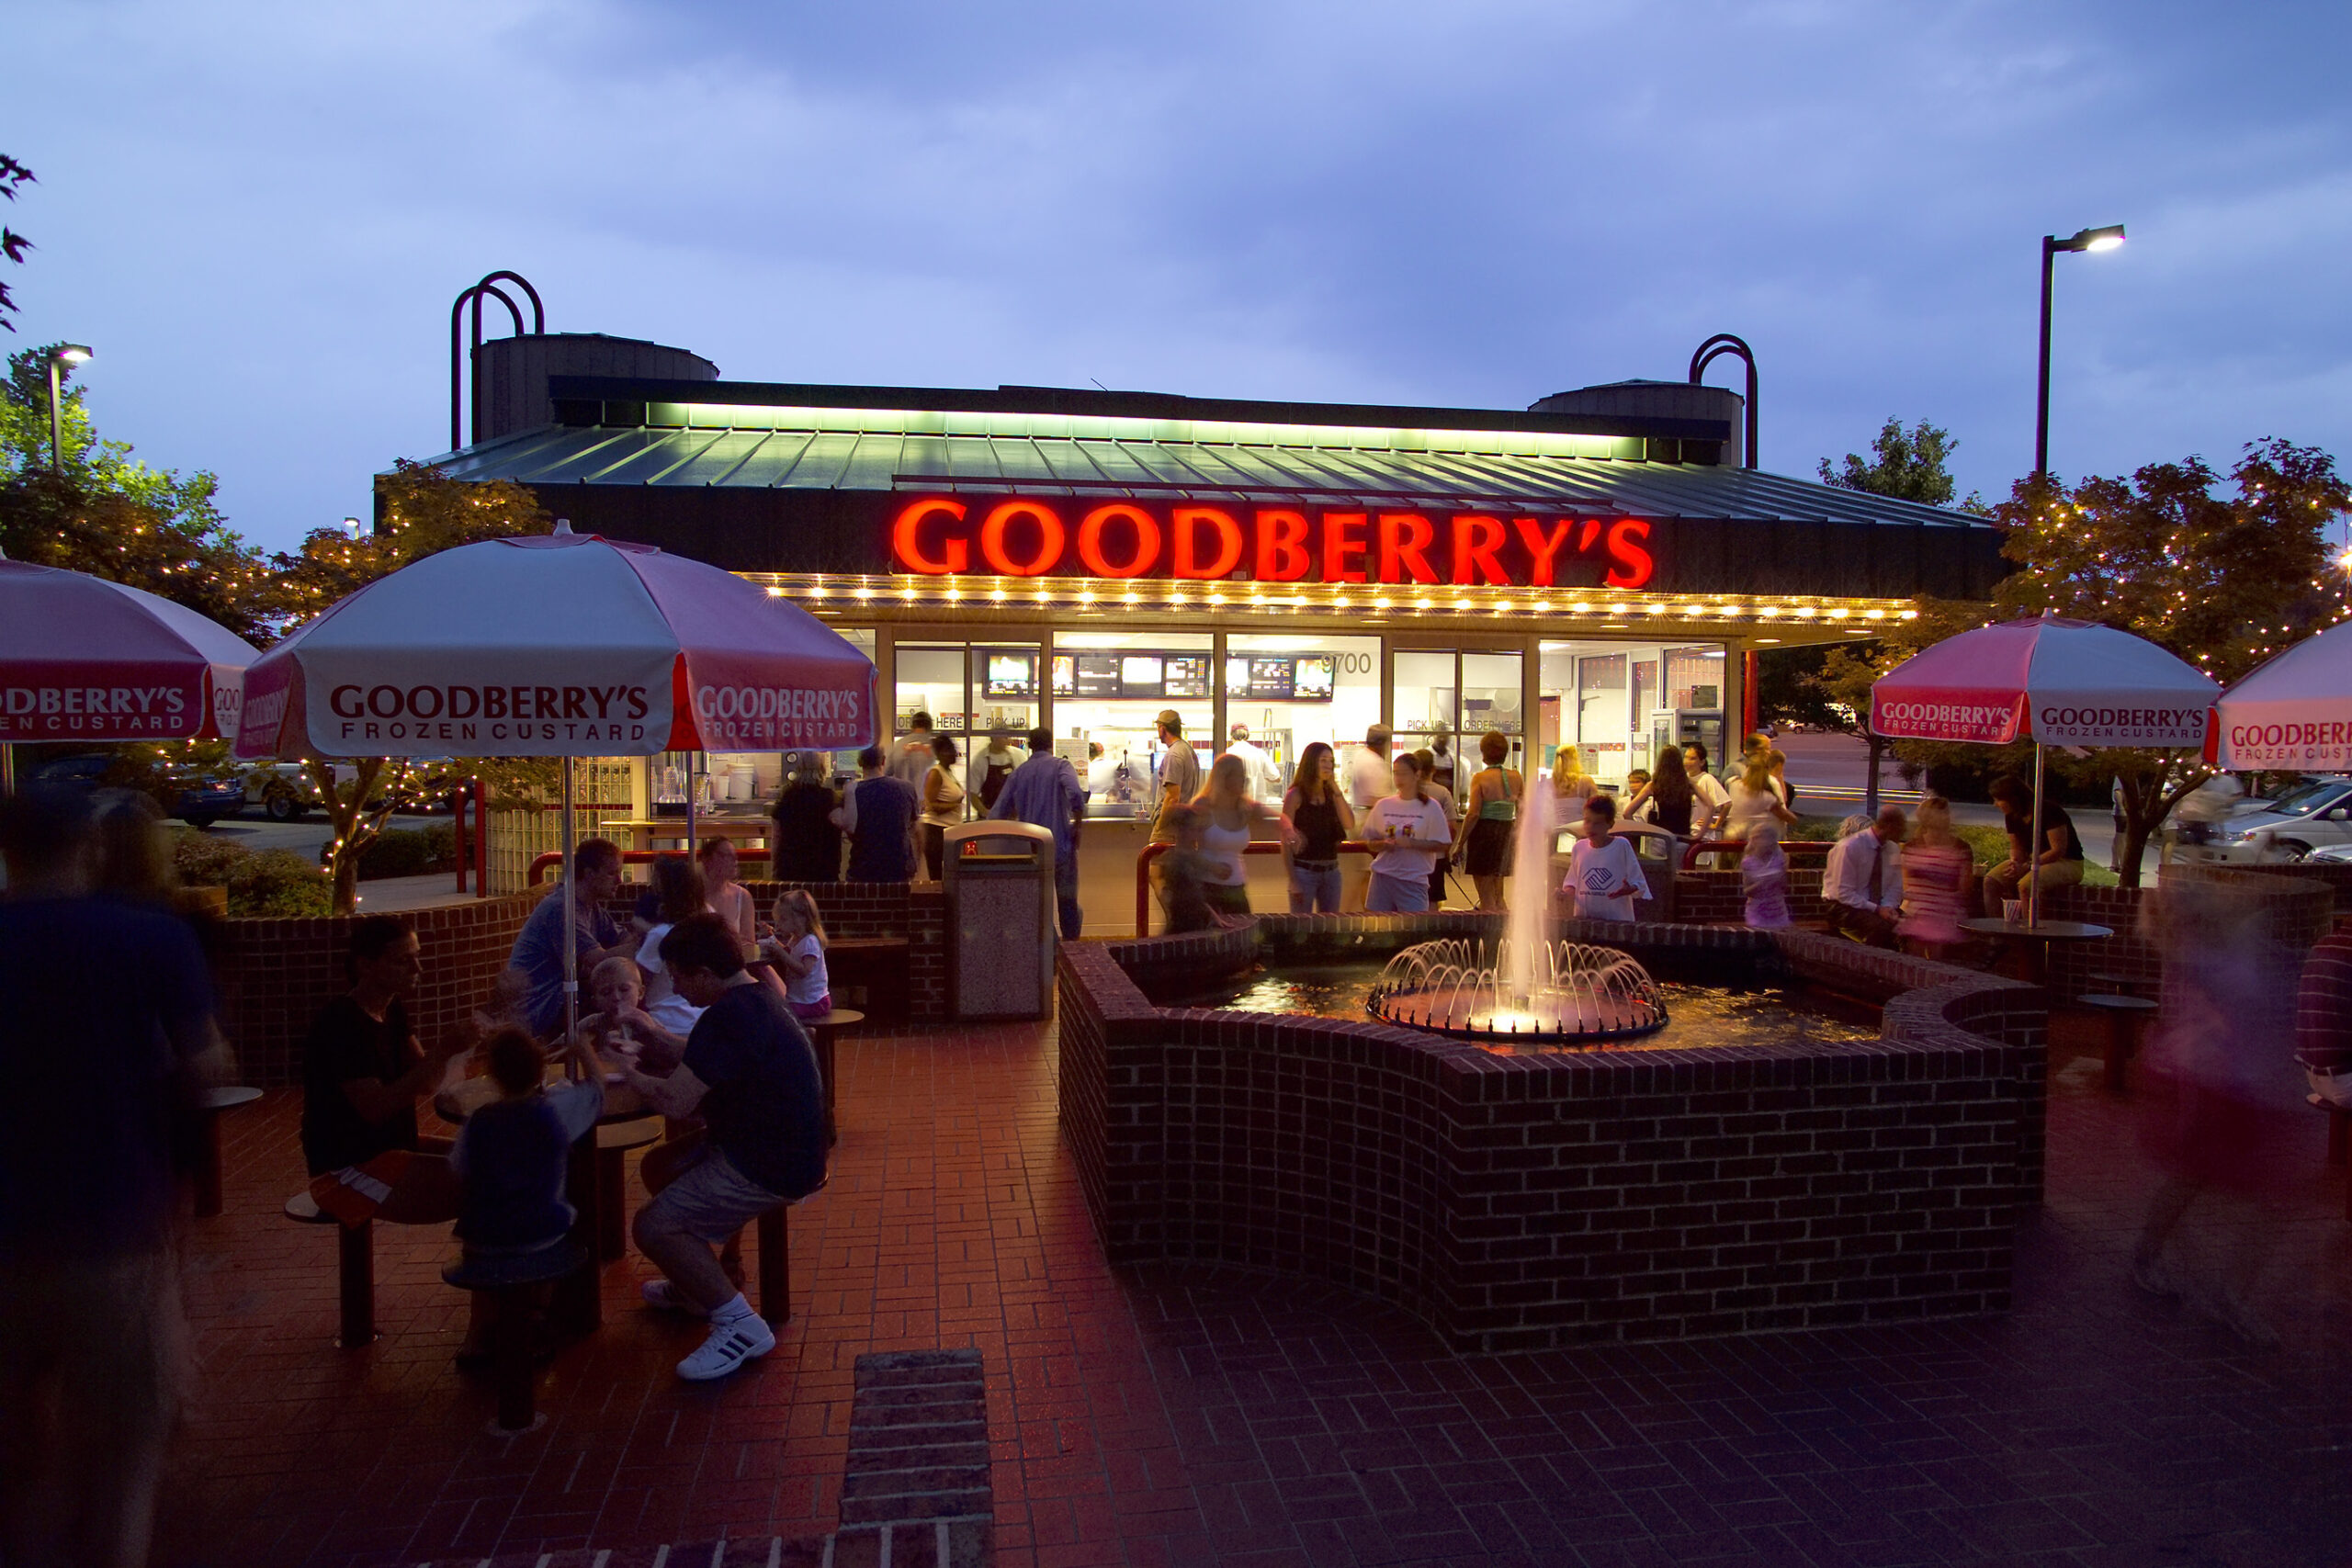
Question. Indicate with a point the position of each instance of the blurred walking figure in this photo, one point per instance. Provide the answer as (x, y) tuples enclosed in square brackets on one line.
[(105, 1025), (2219, 1049)]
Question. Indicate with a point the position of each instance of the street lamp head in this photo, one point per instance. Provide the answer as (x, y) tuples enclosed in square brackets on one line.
[(2105, 239), (70, 353)]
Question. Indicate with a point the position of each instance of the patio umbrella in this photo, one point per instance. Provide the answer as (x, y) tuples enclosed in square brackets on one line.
[(2065, 683), (2294, 712), (83, 659), (563, 645)]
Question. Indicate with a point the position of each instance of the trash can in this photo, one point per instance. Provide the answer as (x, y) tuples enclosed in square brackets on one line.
[(1001, 919)]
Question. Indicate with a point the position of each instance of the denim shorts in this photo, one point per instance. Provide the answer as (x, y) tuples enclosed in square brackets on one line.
[(710, 1201)]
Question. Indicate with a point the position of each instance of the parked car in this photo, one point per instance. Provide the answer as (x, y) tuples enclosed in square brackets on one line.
[(283, 790), (2314, 815), (198, 799)]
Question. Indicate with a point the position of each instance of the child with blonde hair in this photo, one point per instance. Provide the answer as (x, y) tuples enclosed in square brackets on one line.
[(1764, 878), (797, 948)]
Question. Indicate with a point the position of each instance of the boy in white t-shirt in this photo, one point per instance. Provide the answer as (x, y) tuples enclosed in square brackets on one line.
[(1603, 872)]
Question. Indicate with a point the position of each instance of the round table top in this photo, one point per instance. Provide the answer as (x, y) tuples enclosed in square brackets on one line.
[(2045, 931), (840, 1018), (228, 1096), (465, 1097)]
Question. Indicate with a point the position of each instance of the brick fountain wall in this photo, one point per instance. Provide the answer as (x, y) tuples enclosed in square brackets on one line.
[(1535, 1200)]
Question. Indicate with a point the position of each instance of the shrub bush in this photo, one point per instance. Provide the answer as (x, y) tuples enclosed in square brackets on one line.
[(271, 883), (410, 852)]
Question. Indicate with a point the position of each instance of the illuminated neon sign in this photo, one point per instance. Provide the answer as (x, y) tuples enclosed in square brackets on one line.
[(1024, 536)]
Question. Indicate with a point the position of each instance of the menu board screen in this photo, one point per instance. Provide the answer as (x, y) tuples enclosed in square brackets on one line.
[(1011, 675), (1316, 674), (1270, 678), (1187, 675), (1140, 674), (1065, 675), (1098, 674)]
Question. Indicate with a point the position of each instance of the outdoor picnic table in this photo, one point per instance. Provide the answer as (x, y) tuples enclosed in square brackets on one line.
[(2034, 940), (578, 1305)]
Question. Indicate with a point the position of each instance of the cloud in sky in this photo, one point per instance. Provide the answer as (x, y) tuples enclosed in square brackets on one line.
[(258, 213)]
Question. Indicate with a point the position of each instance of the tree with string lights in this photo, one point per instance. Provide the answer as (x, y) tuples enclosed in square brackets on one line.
[(2224, 570), (423, 512)]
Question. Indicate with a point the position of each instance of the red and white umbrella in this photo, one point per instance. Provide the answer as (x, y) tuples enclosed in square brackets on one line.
[(83, 659), (2063, 682), (563, 645), (2295, 712)]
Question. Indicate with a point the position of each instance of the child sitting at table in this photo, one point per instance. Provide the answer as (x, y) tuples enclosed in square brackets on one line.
[(620, 1026), (796, 946), (513, 1155)]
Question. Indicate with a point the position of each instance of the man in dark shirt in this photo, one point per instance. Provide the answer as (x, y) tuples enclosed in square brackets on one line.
[(750, 1072), (2049, 858), (535, 966), (105, 1028)]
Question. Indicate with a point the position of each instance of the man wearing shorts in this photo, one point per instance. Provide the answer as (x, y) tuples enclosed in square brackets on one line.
[(751, 1075)]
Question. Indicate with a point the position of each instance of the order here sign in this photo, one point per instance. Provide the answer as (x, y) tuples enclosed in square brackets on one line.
[(1025, 536)]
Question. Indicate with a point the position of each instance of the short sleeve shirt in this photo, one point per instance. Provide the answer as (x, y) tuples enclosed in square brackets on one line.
[(2053, 816), (765, 1106), (538, 953), (1424, 818), (97, 1001), (345, 1047)]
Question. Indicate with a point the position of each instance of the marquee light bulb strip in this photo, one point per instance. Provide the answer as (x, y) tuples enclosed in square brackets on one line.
[(829, 594)]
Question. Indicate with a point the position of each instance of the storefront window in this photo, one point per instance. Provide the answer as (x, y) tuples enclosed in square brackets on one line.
[(1109, 689), (1455, 697), (1622, 703), (1289, 692), (972, 691)]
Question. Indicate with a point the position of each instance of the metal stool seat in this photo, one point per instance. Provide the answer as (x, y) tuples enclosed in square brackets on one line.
[(513, 1280)]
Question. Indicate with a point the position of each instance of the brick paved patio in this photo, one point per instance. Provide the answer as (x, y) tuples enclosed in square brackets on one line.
[(1200, 1416)]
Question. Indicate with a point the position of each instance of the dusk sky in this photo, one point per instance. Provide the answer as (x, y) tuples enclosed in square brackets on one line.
[(257, 215)]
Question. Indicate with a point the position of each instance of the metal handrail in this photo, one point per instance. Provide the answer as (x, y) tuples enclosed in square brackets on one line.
[(553, 860), (1800, 848)]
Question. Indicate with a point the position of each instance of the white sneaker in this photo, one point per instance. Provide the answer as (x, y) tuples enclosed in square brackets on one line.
[(730, 1345), (666, 1297)]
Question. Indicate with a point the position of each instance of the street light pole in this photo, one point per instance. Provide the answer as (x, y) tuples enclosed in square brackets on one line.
[(2105, 239), (65, 354)]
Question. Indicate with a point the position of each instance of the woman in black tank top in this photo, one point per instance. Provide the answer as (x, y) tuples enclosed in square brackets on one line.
[(1321, 814)]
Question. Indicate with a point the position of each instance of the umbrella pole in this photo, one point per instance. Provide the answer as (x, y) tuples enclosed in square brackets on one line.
[(571, 919), (7, 768), (2033, 843), (690, 804)]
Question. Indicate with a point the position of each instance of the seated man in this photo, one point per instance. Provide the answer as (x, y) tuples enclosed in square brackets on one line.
[(2323, 1021), (2041, 855), (751, 1073), (535, 966), (363, 1071), (1863, 888)]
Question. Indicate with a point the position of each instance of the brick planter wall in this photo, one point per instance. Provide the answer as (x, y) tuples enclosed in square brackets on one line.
[(1530, 1200)]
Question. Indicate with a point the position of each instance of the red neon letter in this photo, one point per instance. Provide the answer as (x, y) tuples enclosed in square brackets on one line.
[(955, 555), (1090, 540), (1475, 541), (1545, 548), (1282, 547), (1343, 546), (1186, 521), (1404, 541), (1051, 536), (1634, 567)]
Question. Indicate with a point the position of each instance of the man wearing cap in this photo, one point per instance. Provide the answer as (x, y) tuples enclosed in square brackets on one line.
[(1180, 780), (1263, 780), (1370, 779)]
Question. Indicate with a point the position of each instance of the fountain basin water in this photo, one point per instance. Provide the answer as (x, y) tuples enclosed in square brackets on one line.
[(1550, 991)]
